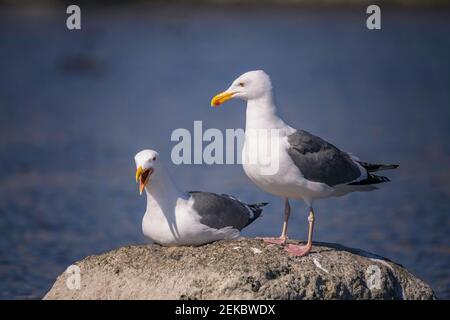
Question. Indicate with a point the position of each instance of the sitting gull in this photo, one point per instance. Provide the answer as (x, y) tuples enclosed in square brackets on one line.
[(177, 218), (307, 167)]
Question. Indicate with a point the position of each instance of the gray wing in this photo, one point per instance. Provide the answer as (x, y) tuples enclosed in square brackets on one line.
[(220, 211), (320, 161)]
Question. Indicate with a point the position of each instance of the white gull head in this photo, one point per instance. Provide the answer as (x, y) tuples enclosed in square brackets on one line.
[(251, 85), (148, 168)]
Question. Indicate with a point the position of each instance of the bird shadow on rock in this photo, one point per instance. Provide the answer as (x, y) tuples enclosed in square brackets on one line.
[(360, 252)]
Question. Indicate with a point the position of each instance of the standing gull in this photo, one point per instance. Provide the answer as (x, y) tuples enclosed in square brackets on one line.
[(174, 217), (306, 167)]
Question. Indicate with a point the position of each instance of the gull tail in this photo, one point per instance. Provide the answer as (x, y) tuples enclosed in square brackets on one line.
[(372, 167), (371, 179), (256, 209)]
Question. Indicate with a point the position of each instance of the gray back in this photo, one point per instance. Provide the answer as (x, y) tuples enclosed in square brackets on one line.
[(219, 211), (320, 161)]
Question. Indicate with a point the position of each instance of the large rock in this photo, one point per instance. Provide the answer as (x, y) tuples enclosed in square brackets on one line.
[(241, 269)]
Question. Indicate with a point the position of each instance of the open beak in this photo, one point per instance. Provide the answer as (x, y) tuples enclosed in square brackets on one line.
[(143, 176), (221, 98)]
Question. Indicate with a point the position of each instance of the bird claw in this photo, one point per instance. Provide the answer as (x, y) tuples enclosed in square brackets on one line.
[(297, 250)]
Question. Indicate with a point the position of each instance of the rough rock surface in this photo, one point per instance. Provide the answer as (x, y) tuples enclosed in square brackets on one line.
[(240, 269)]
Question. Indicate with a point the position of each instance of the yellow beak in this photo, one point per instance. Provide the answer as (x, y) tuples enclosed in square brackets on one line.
[(143, 176), (139, 173), (221, 98)]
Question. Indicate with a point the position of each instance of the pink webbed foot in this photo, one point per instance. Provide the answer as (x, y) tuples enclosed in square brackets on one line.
[(297, 250), (273, 240)]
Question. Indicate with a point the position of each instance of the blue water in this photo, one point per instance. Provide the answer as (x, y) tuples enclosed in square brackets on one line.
[(76, 106)]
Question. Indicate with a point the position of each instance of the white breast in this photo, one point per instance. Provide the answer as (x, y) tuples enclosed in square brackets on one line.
[(274, 171)]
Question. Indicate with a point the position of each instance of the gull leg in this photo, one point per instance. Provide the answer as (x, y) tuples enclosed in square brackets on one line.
[(287, 213), (300, 251), (283, 238)]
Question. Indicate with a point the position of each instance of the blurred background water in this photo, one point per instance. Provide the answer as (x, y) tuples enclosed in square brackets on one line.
[(75, 106)]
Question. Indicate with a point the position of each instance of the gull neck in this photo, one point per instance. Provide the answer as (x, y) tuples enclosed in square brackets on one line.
[(262, 113), (162, 189)]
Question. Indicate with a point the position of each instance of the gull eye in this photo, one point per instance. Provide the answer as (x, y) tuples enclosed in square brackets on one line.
[(154, 158), (241, 84)]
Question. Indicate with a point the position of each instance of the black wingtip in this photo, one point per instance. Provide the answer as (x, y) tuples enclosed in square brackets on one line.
[(261, 204), (258, 205), (372, 167), (257, 210), (371, 179)]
